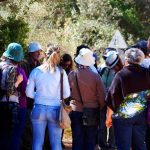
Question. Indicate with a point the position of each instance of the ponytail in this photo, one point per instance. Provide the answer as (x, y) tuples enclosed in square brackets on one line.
[(52, 61)]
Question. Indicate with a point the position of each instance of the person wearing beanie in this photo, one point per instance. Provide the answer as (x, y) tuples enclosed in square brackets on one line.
[(12, 76), (127, 98)]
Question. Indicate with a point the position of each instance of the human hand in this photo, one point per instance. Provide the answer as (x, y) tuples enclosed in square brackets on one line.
[(108, 122), (19, 80)]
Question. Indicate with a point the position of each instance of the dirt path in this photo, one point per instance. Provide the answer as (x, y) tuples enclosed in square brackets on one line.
[(68, 145)]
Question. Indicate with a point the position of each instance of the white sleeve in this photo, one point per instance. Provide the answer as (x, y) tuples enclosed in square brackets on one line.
[(66, 86), (31, 85)]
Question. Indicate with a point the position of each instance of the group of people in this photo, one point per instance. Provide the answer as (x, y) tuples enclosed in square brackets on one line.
[(109, 104)]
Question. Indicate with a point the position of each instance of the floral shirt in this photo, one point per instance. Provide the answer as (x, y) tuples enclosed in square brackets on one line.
[(133, 104)]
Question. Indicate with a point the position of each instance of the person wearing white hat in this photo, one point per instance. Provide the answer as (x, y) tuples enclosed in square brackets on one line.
[(112, 65), (93, 67), (87, 92)]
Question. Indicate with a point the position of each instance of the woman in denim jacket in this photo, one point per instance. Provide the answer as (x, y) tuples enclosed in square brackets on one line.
[(46, 80)]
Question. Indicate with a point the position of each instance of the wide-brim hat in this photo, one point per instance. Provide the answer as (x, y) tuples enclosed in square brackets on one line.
[(34, 47), (85, 57), (14, 51), (112, 59)]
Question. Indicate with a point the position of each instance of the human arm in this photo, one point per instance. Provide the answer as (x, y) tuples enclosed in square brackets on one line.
[(18, 80), (31, 85), (114, 96), (66, 86), (100, 92), (109, 117)]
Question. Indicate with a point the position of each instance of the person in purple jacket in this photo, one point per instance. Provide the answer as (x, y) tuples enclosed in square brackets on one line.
[(19, 128)]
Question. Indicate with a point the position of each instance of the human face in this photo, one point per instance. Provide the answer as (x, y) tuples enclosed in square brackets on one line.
[(36, 55), (66, 64)]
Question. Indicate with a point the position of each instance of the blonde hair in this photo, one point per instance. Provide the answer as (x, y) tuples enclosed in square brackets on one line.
[(52, 58)]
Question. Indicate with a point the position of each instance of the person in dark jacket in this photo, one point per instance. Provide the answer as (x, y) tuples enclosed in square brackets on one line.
[(113, 64), (28, 64), (127, 97)]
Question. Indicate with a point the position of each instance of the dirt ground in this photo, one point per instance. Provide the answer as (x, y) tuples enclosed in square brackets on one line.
[(67, 139)]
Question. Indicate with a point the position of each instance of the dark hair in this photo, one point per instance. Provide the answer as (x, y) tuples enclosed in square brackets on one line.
[(119, 64), (142, 45), (65, 58)]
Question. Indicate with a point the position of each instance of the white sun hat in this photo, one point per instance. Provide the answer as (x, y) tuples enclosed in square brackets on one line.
[(112, 59), (85, 57), (34, 46)]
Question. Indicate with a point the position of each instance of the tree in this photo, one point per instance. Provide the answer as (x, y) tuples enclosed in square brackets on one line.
[(13, 30), (133, 18)]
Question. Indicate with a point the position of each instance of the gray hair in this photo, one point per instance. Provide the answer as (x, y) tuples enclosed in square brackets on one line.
[(134, 56)]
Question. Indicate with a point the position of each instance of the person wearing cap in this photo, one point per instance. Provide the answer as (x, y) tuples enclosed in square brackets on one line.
[(46, 80), (92, 92), (127, 98), (32, 61), (10, 119), (113, 64), (33, 58)]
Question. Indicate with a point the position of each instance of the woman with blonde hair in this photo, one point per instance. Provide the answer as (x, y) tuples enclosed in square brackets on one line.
[(46, 80)]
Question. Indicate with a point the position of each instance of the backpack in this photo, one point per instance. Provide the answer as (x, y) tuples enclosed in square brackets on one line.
[(7, 85)]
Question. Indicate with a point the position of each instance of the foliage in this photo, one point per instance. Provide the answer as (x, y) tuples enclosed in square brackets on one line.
[(73, 22), (13, 30), (132, 18)]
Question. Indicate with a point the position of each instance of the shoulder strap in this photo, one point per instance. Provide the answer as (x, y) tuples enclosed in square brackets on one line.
[(78, 88), (61, 83), (102, 71)]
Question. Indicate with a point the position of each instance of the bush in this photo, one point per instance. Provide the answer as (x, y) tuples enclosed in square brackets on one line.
[(13, 30)]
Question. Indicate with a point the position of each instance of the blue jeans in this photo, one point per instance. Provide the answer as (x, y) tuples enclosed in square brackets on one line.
[(41, 117), (130, 132), (84, 137), (18, 130)]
